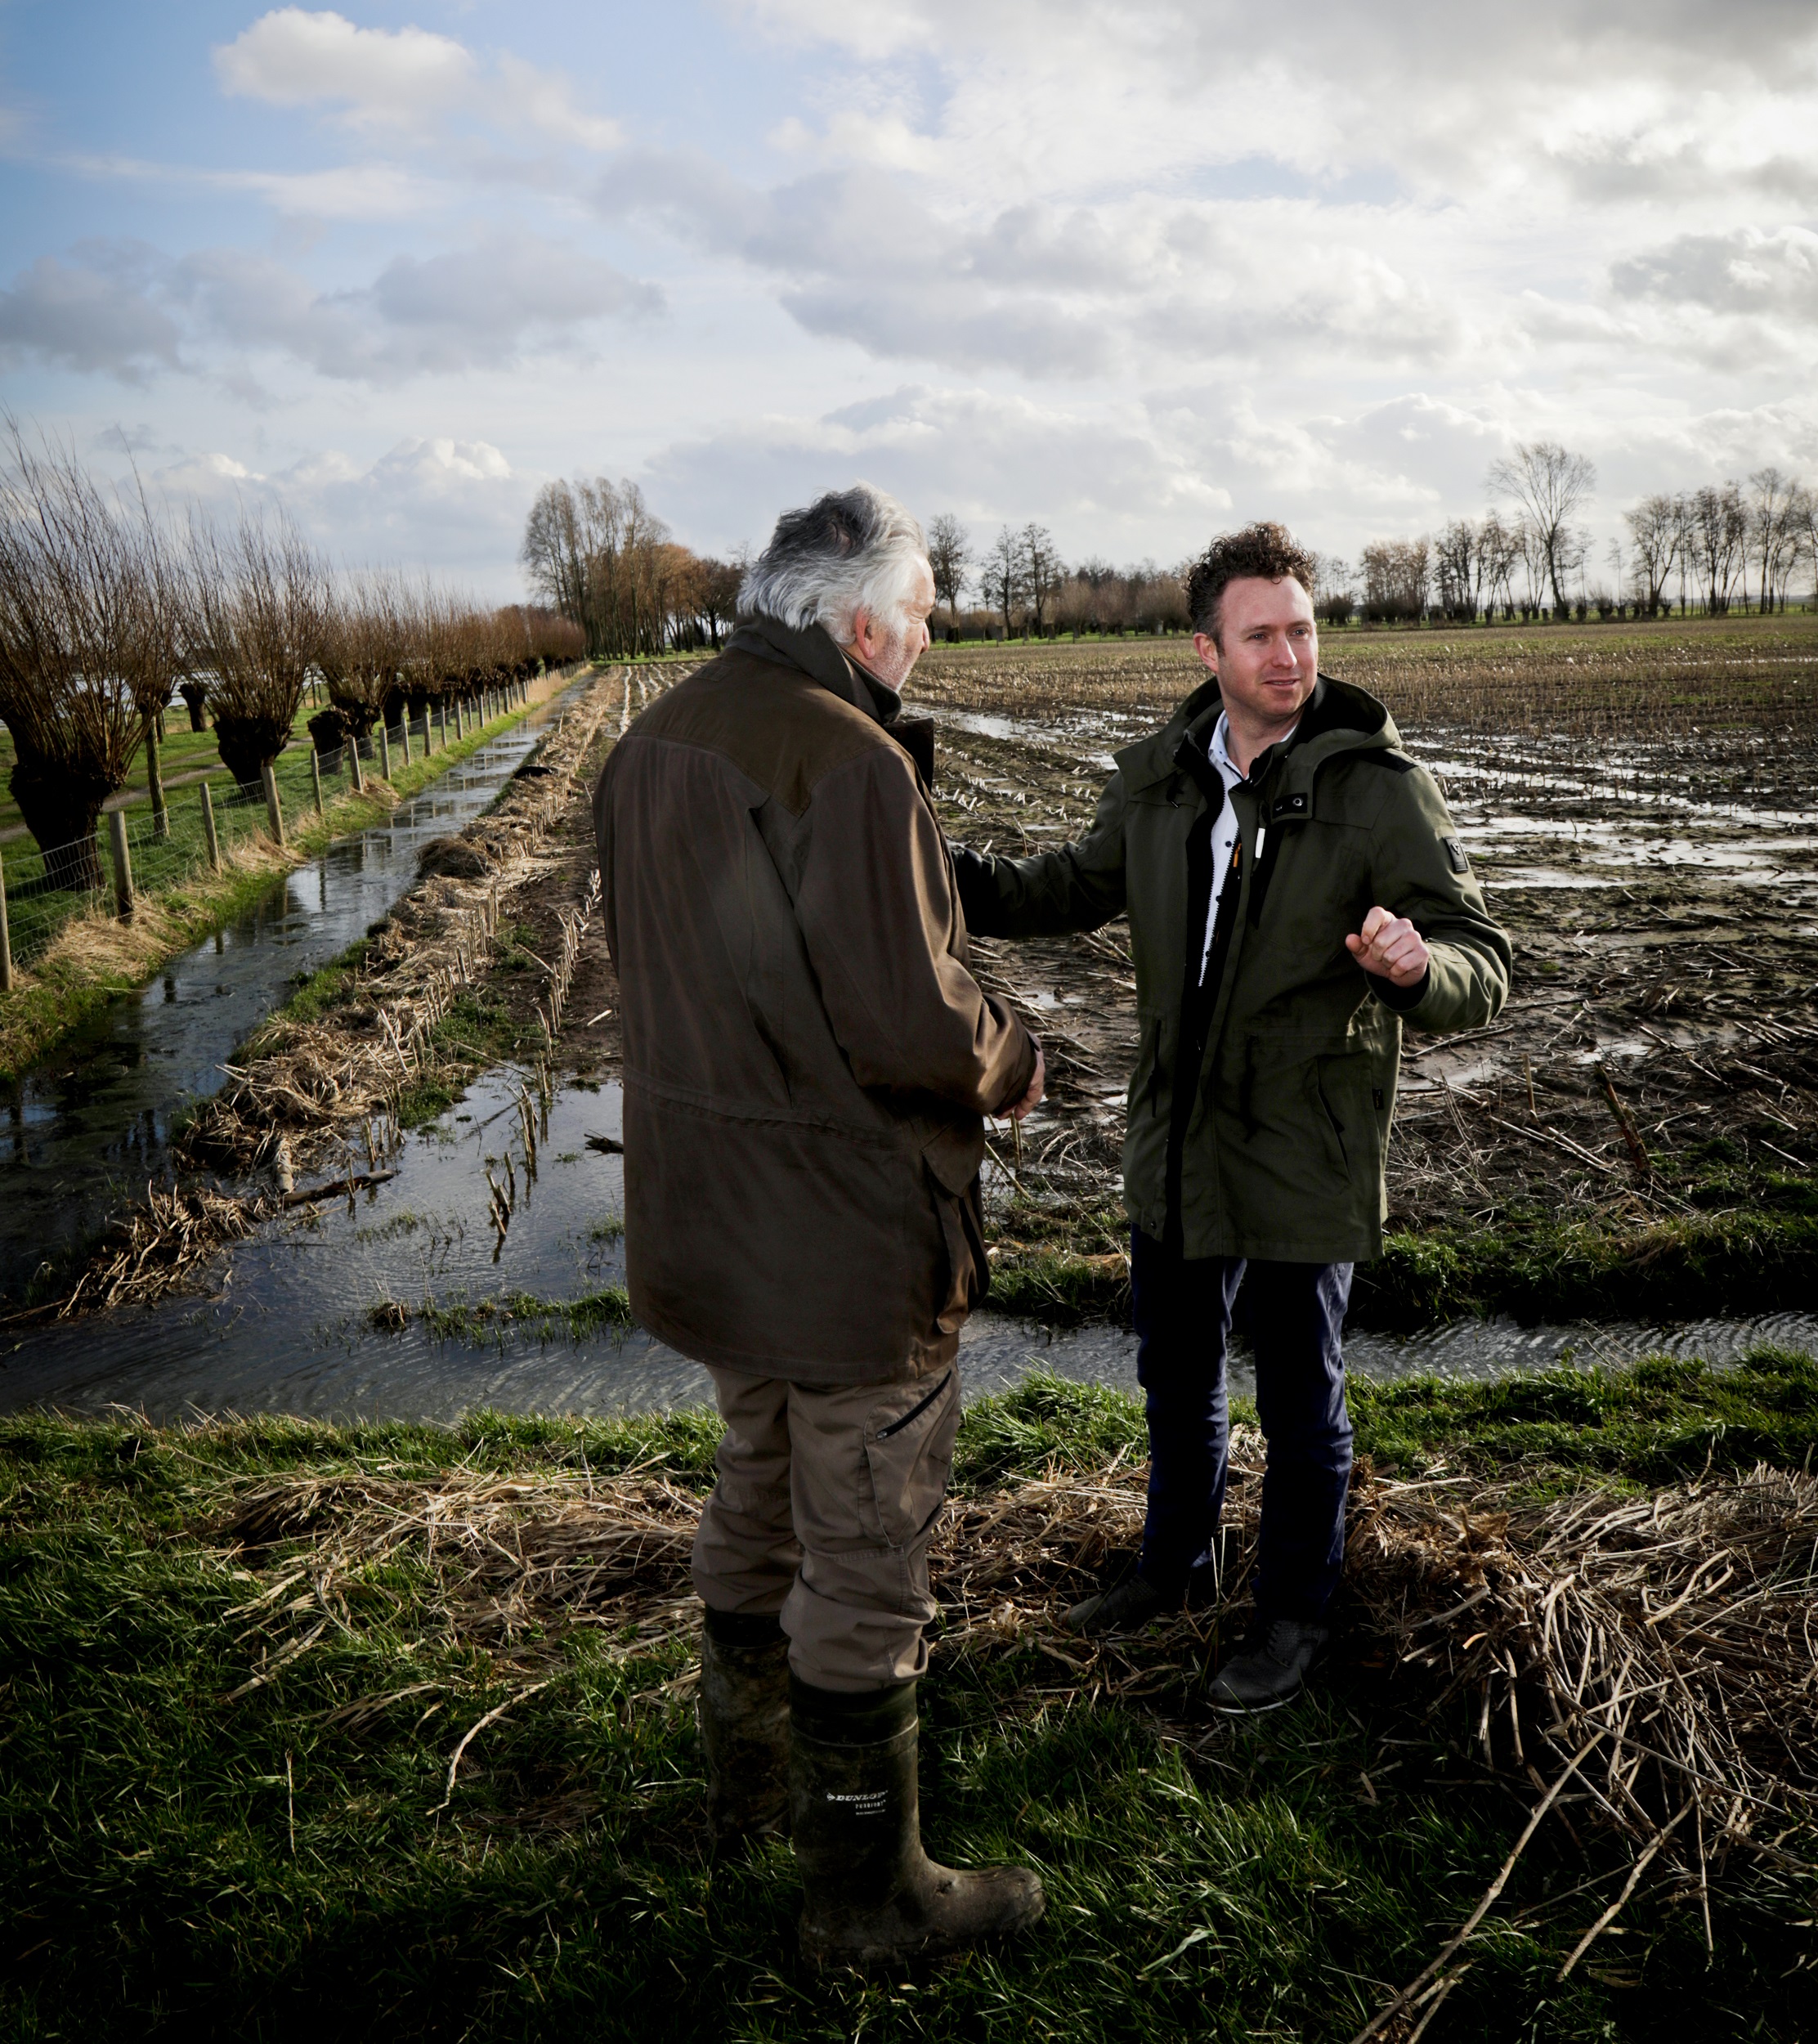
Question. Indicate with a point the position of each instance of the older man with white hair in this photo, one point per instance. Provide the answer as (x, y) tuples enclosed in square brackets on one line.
[(807, 1063)]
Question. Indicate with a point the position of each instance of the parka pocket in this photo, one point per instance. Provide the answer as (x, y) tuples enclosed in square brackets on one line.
[(908, 1457), (1148, 1075), (969, 1268), (1349, 1094)]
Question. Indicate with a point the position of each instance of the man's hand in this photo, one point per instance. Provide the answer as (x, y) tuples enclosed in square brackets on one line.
[(1031, 1100), (1391, 948)]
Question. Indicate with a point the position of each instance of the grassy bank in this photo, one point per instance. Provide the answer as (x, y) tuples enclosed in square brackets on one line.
[(1754, 1260), (205, 1833), (95, 957)]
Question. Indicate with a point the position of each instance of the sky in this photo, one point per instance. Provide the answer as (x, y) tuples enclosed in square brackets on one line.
[(1138, 272)]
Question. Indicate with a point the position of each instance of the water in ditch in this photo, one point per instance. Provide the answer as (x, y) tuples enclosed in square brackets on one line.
[(304, 1318), (92, 1122)]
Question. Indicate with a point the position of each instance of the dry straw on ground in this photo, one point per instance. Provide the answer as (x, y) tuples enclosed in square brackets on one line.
[(1648, 1661), (312, 1080)]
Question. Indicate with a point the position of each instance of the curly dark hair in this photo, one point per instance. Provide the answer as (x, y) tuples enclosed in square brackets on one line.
[(1263, 549)]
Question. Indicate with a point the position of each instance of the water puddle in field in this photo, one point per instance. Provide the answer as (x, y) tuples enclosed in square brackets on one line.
[(93, 1121), (302, 1320)]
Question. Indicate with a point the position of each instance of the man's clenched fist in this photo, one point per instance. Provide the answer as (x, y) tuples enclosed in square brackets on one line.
[(1031, 1100), (1391, 947)]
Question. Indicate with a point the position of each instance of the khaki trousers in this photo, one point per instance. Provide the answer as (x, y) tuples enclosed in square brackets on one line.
[(823, 1516)]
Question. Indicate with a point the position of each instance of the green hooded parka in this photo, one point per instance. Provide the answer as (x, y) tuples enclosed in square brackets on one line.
[(1260, 1103)]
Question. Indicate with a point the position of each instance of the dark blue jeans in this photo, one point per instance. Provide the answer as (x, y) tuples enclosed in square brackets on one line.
[(1295, 1312)]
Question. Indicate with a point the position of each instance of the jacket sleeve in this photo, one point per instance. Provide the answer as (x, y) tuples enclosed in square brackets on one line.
[(1420, 871), (878, 914), (1078, 887)]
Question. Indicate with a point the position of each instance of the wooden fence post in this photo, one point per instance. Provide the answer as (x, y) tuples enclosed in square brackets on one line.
[(352, 744), (315, 776), (208, 829), (123, 863), (384, 751), (274, 810), (6, 939), (404, 733)]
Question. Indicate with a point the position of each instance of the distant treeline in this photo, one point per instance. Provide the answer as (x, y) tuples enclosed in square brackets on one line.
[(1726, 546), (595, 552)]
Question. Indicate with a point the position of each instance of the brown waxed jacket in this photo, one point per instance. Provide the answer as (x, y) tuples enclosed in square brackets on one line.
[(807, 1059)]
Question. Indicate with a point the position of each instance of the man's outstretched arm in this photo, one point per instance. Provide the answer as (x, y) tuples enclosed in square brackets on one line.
[(1078, 887)]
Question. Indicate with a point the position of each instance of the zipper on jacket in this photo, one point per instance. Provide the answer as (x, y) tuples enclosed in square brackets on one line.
[(1200, 975)]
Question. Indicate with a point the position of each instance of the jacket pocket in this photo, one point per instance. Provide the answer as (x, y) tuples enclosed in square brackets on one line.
[(1349, 1087), (968, 1268), (908, 1457)]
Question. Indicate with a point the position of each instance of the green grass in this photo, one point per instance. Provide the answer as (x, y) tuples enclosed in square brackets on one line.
[(175, 1864), (488, 1322), (1762, 1257)]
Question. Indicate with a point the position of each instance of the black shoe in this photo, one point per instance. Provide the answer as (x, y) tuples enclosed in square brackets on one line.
[(870, 1894), (1126, 1608), (1269, 1669)]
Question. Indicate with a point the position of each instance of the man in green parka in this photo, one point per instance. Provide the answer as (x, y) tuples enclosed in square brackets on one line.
[(1296, 891)]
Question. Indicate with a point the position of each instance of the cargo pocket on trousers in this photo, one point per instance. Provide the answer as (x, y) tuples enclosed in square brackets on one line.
[(909, 1458), (968, 1269)]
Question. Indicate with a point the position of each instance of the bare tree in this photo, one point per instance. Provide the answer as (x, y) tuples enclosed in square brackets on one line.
[(1456, 569), (719, 589), (1498, 555), (261, 608), (1773, 530), (1657, 531), (1042, 570), (950, 557), (1334, 588), (1550, 484), (1395, 576), (75, 609), (1719, 534), (1001, 576)]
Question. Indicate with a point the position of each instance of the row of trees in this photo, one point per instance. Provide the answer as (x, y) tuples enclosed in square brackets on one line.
[(1725, 546), (1023, 585), (595, 554), (110, 610)]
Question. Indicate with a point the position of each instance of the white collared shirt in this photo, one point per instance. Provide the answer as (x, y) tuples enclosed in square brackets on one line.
[(1224, 831)]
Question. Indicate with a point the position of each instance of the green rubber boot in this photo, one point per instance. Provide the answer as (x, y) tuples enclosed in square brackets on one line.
[(871, 1895), (744, 1717)]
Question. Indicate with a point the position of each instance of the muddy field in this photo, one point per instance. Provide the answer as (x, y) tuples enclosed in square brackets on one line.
[(1635, 1135), (1639, 809), (1639, 805)]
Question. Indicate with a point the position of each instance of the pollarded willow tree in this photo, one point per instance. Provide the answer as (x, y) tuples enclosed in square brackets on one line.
[(261, 610), (366, 640), (87, 636)]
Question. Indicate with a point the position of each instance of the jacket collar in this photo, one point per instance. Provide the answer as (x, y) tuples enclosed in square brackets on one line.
[(1339, 718), (812, 652)]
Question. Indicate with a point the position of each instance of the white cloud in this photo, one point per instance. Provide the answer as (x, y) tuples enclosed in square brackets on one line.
[(454, 507), (89, 314), (125, 309), (1744, 271), (389, 81)]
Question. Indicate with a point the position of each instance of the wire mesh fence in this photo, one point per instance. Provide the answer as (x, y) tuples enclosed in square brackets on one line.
[(204, 821)]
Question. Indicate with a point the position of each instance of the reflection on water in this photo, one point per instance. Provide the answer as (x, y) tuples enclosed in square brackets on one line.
[(91, 1123), (291, 1327)]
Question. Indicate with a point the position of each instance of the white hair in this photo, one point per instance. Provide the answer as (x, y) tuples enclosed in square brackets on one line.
[(852, 550)]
